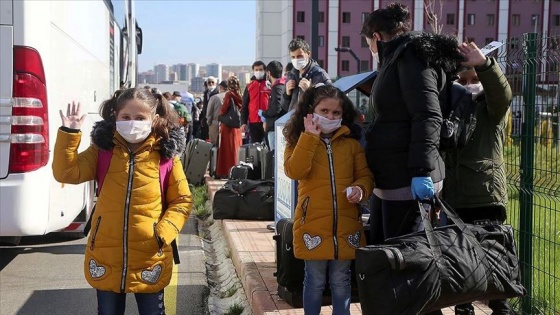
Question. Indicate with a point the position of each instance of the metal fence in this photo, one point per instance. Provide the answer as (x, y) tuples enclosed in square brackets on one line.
[(532, 65)]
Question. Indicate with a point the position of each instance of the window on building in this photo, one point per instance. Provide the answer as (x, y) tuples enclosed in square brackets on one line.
[(470, 19), (364, 16), (490, 19), (514, 43), (364, 42), (300, 36), (345, 17), (345, 65), (534, 19), (488, 40), (364, 65), (556, 20), (321, 63), (345, 41), (321, 41), (450, 19), (300, 16), (322, 17), (553, 66), (516, 19)]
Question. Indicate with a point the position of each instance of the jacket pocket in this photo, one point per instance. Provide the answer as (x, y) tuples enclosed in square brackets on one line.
[(477, 177), (304, 206), (158, 241), (94, 235)]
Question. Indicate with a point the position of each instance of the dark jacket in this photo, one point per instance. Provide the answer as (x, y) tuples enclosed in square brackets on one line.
[(206, 97), (277, 105), (476, 175), (315, 74), (402, 141)]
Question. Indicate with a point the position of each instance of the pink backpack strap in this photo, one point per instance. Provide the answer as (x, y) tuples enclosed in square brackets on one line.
[(103, 161), (165, 166)]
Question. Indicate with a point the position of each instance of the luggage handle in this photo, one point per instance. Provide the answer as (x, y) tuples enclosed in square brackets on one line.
[(434, 243)]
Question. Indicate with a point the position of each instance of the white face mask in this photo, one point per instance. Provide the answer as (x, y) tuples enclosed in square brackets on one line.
[(299, 63), (327, 125), (475, 89), (259, 75), (134, 131), (211, 88)]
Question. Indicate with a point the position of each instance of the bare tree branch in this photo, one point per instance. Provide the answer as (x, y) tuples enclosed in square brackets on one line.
[(434, 17)]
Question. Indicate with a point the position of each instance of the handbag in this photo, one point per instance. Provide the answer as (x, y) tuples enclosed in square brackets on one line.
[(438, 267), (232, 118)]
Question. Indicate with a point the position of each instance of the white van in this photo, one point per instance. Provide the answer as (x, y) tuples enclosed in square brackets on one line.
[(52, 52)]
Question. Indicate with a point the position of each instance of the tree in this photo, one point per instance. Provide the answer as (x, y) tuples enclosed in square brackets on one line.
[(434, 17)]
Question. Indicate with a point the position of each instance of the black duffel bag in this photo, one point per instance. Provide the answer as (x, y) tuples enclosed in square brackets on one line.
[(245, 199), (439, 267)]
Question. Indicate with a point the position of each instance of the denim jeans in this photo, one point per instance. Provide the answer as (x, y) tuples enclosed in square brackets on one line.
[(271, 140), (111, 303), (314, 284)]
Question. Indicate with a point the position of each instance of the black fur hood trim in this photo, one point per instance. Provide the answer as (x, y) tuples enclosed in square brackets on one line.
[(438, 50), (103, 132)]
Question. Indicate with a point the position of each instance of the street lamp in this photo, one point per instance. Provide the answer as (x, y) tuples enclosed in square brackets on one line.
[(349, 50)]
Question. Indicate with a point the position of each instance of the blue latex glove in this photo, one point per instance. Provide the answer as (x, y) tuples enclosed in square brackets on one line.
[(422, 188), (263, 119)]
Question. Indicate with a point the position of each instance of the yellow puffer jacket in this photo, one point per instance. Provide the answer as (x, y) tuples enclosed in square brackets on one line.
[(326, 225), (123, 252)]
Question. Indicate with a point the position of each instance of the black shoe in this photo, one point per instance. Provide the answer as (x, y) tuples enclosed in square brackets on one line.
[(270, 227), (464, 309)]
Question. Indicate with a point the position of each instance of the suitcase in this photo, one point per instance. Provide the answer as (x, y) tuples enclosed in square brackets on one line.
[(269, 165), (213, 161), (195, 161), (239, 172), (255, 154), (420, 272), (244, 199)]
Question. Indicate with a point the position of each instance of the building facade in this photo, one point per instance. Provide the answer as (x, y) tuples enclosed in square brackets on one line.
[(197, 84), (340, 22), (161, 72), (215, 70), (193, 70)]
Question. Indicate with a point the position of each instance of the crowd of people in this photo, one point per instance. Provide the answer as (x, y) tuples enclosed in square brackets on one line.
[(400, 164)]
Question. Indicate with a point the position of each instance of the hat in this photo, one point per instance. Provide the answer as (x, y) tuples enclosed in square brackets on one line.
[(176, 93), (223, 84)]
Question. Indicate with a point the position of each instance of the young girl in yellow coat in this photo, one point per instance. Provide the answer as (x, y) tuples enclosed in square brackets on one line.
[(323, 154), (128, 249)]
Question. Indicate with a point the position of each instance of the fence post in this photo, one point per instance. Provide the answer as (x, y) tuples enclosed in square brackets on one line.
[(527, 167)]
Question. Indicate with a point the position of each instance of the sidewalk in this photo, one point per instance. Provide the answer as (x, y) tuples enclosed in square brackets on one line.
[(253, 253)]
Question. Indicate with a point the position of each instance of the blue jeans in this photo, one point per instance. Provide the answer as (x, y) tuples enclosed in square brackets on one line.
[(271, 140), (314, 284), (111, 303)]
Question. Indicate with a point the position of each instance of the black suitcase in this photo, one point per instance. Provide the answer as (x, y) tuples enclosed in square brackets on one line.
[(254, 154), (244, 199), (269, 165), (195, 161), (289, 269), (439, 267), (239, 172)]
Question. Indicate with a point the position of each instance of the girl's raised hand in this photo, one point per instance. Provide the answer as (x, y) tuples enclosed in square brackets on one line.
[(311, 124), (472, 54), (74, 118)]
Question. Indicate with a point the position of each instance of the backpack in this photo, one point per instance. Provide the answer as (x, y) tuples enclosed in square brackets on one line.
[(165, 166), (458, 110)]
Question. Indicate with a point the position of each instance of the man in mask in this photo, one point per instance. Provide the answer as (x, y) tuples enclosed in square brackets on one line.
[(475, 182), (210, 91), (306, 72), (255, 98)]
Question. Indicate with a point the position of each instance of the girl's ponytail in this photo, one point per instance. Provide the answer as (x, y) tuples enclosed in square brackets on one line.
[(167, 118), (109, 107)]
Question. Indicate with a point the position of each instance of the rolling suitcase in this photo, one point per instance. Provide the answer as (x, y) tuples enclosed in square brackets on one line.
[(254, 154), (239, 172), (196, 160), (269, 166)]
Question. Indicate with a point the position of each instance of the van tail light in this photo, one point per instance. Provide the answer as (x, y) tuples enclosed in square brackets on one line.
[(29, 139)]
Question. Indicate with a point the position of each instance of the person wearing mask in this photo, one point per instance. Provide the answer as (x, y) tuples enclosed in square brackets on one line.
[(306, 72), (475, 182), (276, 104), (214, 107), (255, 98), (403, 139), (208, 93)]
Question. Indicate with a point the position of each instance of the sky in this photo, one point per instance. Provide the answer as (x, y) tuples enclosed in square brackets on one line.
[(197, 31)]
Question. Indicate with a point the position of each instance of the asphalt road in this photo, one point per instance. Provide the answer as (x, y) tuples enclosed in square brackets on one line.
[(44, 275)]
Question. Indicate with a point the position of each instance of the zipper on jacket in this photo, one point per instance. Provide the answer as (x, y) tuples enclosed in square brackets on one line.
[(92, 246), (304, 206), (335, 201), (125, 225)]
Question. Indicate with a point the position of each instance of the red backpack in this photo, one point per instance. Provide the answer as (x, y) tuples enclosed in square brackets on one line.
[(165, 166)]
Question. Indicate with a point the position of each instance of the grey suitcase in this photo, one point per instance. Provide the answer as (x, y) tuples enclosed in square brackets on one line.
[(196, 160), (255, 154), (213, 161)]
